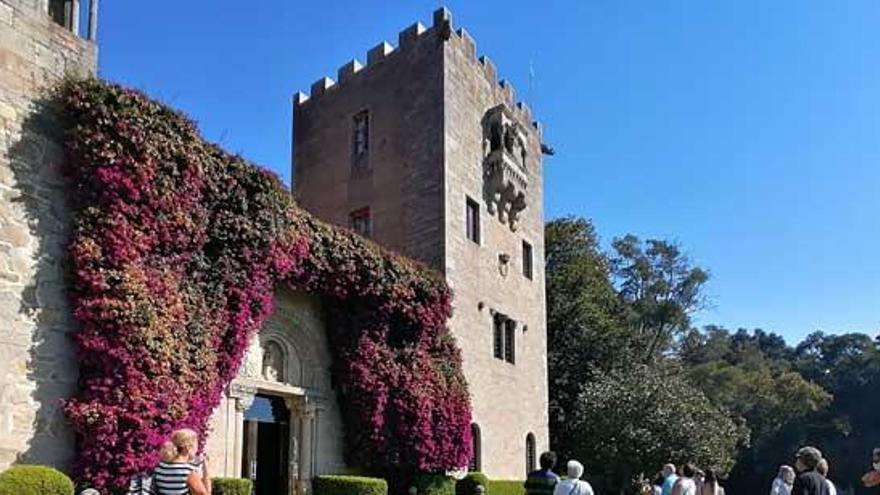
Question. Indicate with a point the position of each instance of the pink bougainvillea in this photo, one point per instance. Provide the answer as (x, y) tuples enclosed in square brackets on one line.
[(176, 250)]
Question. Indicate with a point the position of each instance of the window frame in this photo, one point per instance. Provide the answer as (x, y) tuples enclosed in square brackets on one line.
[(528, 260), (531, 453), (360, 214), (472, 220), (475, 463), (360, 160)]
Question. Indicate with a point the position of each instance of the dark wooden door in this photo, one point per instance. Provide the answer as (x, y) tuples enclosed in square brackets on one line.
[(266, 445)]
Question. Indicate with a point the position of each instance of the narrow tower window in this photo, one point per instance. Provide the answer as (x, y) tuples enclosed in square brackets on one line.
[(476, 452), (498, 337), (360, 140), (361, 221), (530, 454), (527, 262), (472, 218), (510, 341)]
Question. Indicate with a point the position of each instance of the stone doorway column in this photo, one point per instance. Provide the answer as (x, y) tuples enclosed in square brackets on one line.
[(304, 443), (242, 396)]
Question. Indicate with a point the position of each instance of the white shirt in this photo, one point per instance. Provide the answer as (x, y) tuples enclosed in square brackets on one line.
[(832, 490), (780, 487), (573, 487), (686, 486)]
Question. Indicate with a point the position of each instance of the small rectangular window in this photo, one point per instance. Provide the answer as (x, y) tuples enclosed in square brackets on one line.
[(472, 219), (361, 222), (504, 338), (527, 262), (510, 341), (360, 140), (498, 337)]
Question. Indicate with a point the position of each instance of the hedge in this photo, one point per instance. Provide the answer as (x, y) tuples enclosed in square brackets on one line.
[(349, 485), (468, 485), (505, 487), (434, 484), (231, 486), (34, 480)]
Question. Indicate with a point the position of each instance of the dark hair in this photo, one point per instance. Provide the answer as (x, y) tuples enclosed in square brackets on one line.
[(711, 477), (688, 470), (547, 460)]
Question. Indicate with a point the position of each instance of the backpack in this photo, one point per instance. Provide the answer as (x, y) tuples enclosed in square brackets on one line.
[(141, 485)]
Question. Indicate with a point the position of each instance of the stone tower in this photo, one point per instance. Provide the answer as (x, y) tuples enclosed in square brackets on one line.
[(40, 41), (425, 152)]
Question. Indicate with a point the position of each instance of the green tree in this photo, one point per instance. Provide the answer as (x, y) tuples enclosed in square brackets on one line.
[(629, 422), (585, 330), (659, 288)]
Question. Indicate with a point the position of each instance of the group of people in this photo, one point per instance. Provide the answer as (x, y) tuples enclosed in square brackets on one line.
[(180, 470), (809, 476), (545, 482), (689, 480)]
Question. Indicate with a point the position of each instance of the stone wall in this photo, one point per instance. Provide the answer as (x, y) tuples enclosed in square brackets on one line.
[(509, 400), (37, 362), (403, 183)]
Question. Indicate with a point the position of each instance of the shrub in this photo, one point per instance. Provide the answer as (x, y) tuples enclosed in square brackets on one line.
[(468, 485), (176, 249), (505, 487), (434, 484), (231, 486), (34, 480), (349, 485)]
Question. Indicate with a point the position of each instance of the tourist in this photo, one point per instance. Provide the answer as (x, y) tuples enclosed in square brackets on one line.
[(178, 474), (573, 484), (686, 484), (808, 480), (711, 485), (143, 484), (669, 479), (658, 485), (823, 468), (783, 481), (872, 477), (543, 481)]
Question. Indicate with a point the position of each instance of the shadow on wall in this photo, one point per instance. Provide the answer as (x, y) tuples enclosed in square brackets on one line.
[(40, 221)]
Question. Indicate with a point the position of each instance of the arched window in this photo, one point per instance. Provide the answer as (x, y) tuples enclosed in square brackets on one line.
[(476, 449), (530, 453)]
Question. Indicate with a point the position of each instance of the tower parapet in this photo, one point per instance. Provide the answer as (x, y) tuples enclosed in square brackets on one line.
[(407, 39)]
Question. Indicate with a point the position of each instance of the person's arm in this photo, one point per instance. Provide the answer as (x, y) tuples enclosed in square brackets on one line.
[(676, 488)]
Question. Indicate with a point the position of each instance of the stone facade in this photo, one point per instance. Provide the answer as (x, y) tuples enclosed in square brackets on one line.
[(444, 133), (37, 362), (298, 373)]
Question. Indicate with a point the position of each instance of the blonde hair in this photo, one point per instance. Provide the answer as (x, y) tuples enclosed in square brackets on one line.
[(167, 452), (182, 442)]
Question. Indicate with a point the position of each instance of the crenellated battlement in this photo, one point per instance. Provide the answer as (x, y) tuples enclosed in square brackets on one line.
[(407, 39)]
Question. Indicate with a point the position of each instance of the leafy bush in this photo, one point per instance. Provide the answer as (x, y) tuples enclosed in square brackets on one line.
[(434, 484), (34, 480), (231, 486), (349, 485), (468, 485), (505, 488), (176, 249)]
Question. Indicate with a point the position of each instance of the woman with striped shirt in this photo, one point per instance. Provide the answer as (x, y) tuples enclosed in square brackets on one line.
[(177, 474)]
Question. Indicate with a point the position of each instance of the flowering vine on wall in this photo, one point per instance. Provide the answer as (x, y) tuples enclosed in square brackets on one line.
[(176, 249)]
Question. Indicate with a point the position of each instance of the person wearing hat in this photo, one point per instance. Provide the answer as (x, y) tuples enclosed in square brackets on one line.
[(808, 481)]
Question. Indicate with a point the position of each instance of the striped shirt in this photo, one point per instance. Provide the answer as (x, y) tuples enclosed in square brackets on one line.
[(169, 478), (541, 482)]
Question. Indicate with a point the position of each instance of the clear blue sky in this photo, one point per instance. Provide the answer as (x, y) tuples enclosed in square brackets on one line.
[(747, 130)]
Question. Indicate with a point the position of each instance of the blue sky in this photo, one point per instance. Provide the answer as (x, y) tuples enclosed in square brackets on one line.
[(746, 130)]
